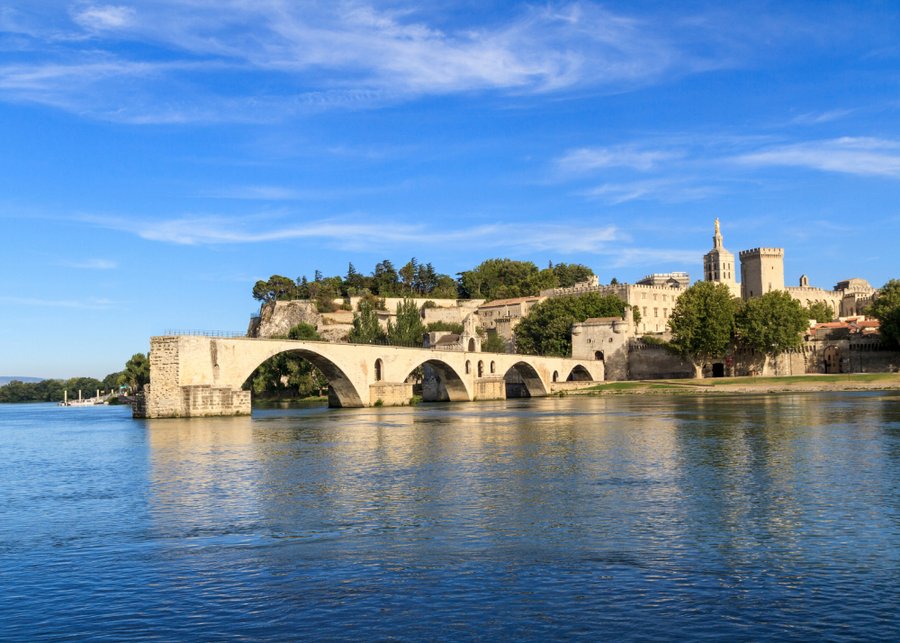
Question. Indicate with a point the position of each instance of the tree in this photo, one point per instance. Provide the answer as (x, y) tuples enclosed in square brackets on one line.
[(136, 373), (276, 288), (500, 278), (568, 274), (407, 328), (324, 291), (493, 344), (111, 381), (366, 329), (702, 323), (771, 324), (408, 274), (820, 311), (304, 331), (354, 282), (445, 287), (384, 279), (547, 328), (450, 327), (886, 309)]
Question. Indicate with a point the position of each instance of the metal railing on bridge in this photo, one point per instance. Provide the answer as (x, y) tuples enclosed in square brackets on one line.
[(227, 334)]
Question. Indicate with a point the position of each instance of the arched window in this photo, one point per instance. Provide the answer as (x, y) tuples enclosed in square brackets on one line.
[(493, 367), (480, 368), (472, 345), (598, 356), (468, 367), (555, 376), (379, 370)]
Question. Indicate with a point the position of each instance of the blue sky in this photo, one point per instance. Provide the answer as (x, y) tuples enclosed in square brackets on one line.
[(159, 157)]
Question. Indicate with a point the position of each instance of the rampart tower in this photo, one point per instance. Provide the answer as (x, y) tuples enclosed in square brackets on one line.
[(762, 270), (718, 264)]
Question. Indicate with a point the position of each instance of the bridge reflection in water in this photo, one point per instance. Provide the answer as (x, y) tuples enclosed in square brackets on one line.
[(196, 376)]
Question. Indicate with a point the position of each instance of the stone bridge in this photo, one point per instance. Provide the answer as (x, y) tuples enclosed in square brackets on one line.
[(194, 376)]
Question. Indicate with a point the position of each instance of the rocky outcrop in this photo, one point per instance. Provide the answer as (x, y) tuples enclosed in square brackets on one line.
[(276, 318)]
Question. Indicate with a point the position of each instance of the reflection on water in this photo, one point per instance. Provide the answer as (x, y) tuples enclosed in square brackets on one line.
[(745, 517)]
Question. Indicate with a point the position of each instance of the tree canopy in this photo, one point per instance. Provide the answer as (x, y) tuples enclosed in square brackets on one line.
[(407, 328), (366, 329), (136, 373), (820, 311), (505, 278), (702, 323), (547, 328), (770, 324), (886, 309), (492, 279)]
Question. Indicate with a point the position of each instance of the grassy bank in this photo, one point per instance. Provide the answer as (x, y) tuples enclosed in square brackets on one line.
[(843, 382)]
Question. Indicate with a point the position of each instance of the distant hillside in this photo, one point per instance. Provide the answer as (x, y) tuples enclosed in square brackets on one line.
[(6, 379)]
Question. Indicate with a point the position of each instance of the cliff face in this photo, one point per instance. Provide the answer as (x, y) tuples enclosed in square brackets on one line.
[(276, 319)]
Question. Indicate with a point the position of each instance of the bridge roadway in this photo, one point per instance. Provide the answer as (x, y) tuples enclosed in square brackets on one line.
[(197, 376)]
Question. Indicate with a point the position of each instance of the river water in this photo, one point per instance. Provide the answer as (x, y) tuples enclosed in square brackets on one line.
[(770, 517)]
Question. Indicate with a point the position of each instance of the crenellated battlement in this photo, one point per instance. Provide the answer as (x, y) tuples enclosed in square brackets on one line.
[(767, 252)]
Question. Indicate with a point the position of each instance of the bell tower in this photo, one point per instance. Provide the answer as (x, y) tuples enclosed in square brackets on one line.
[(718, 264)]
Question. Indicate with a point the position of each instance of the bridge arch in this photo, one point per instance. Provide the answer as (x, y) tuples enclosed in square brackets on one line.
[(341, 390), (531, 381), (579, 374), (447, 384)]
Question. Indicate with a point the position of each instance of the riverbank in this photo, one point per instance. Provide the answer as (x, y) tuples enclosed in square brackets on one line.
[(731, 385)]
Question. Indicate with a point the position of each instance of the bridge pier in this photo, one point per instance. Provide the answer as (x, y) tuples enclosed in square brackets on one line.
[(490, 388), (390, 393)]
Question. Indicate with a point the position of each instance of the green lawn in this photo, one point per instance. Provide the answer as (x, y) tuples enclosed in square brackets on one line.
[(724, 382)]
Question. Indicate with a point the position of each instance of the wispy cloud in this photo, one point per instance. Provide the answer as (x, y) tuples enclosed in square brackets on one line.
[(663, 190), (256, 193), (848, 155), (91, 303), (588, 159), (318, 55), (681, 168), (360, 231), (817, 118), (102, 17), (629, 257), (91, 264)]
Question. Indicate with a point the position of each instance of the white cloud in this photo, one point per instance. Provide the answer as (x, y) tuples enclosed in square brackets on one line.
[(101, 17), (359, 231), (257, 193), (91, 303), (629, 257), (587, 159), (662, 189), (321, 55), (859, 156), (817, 118), (91, 264)]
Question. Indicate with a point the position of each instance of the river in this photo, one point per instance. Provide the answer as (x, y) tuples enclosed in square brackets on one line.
[(768, 517)]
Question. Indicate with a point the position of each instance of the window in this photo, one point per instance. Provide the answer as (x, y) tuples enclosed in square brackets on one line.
[(379, 370)]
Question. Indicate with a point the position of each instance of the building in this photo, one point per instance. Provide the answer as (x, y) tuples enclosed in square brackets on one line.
[(718, 264), (670, 279), (762, 271)]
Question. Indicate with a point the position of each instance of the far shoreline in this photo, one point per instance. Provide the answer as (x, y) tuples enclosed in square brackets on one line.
[(809, 383)]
